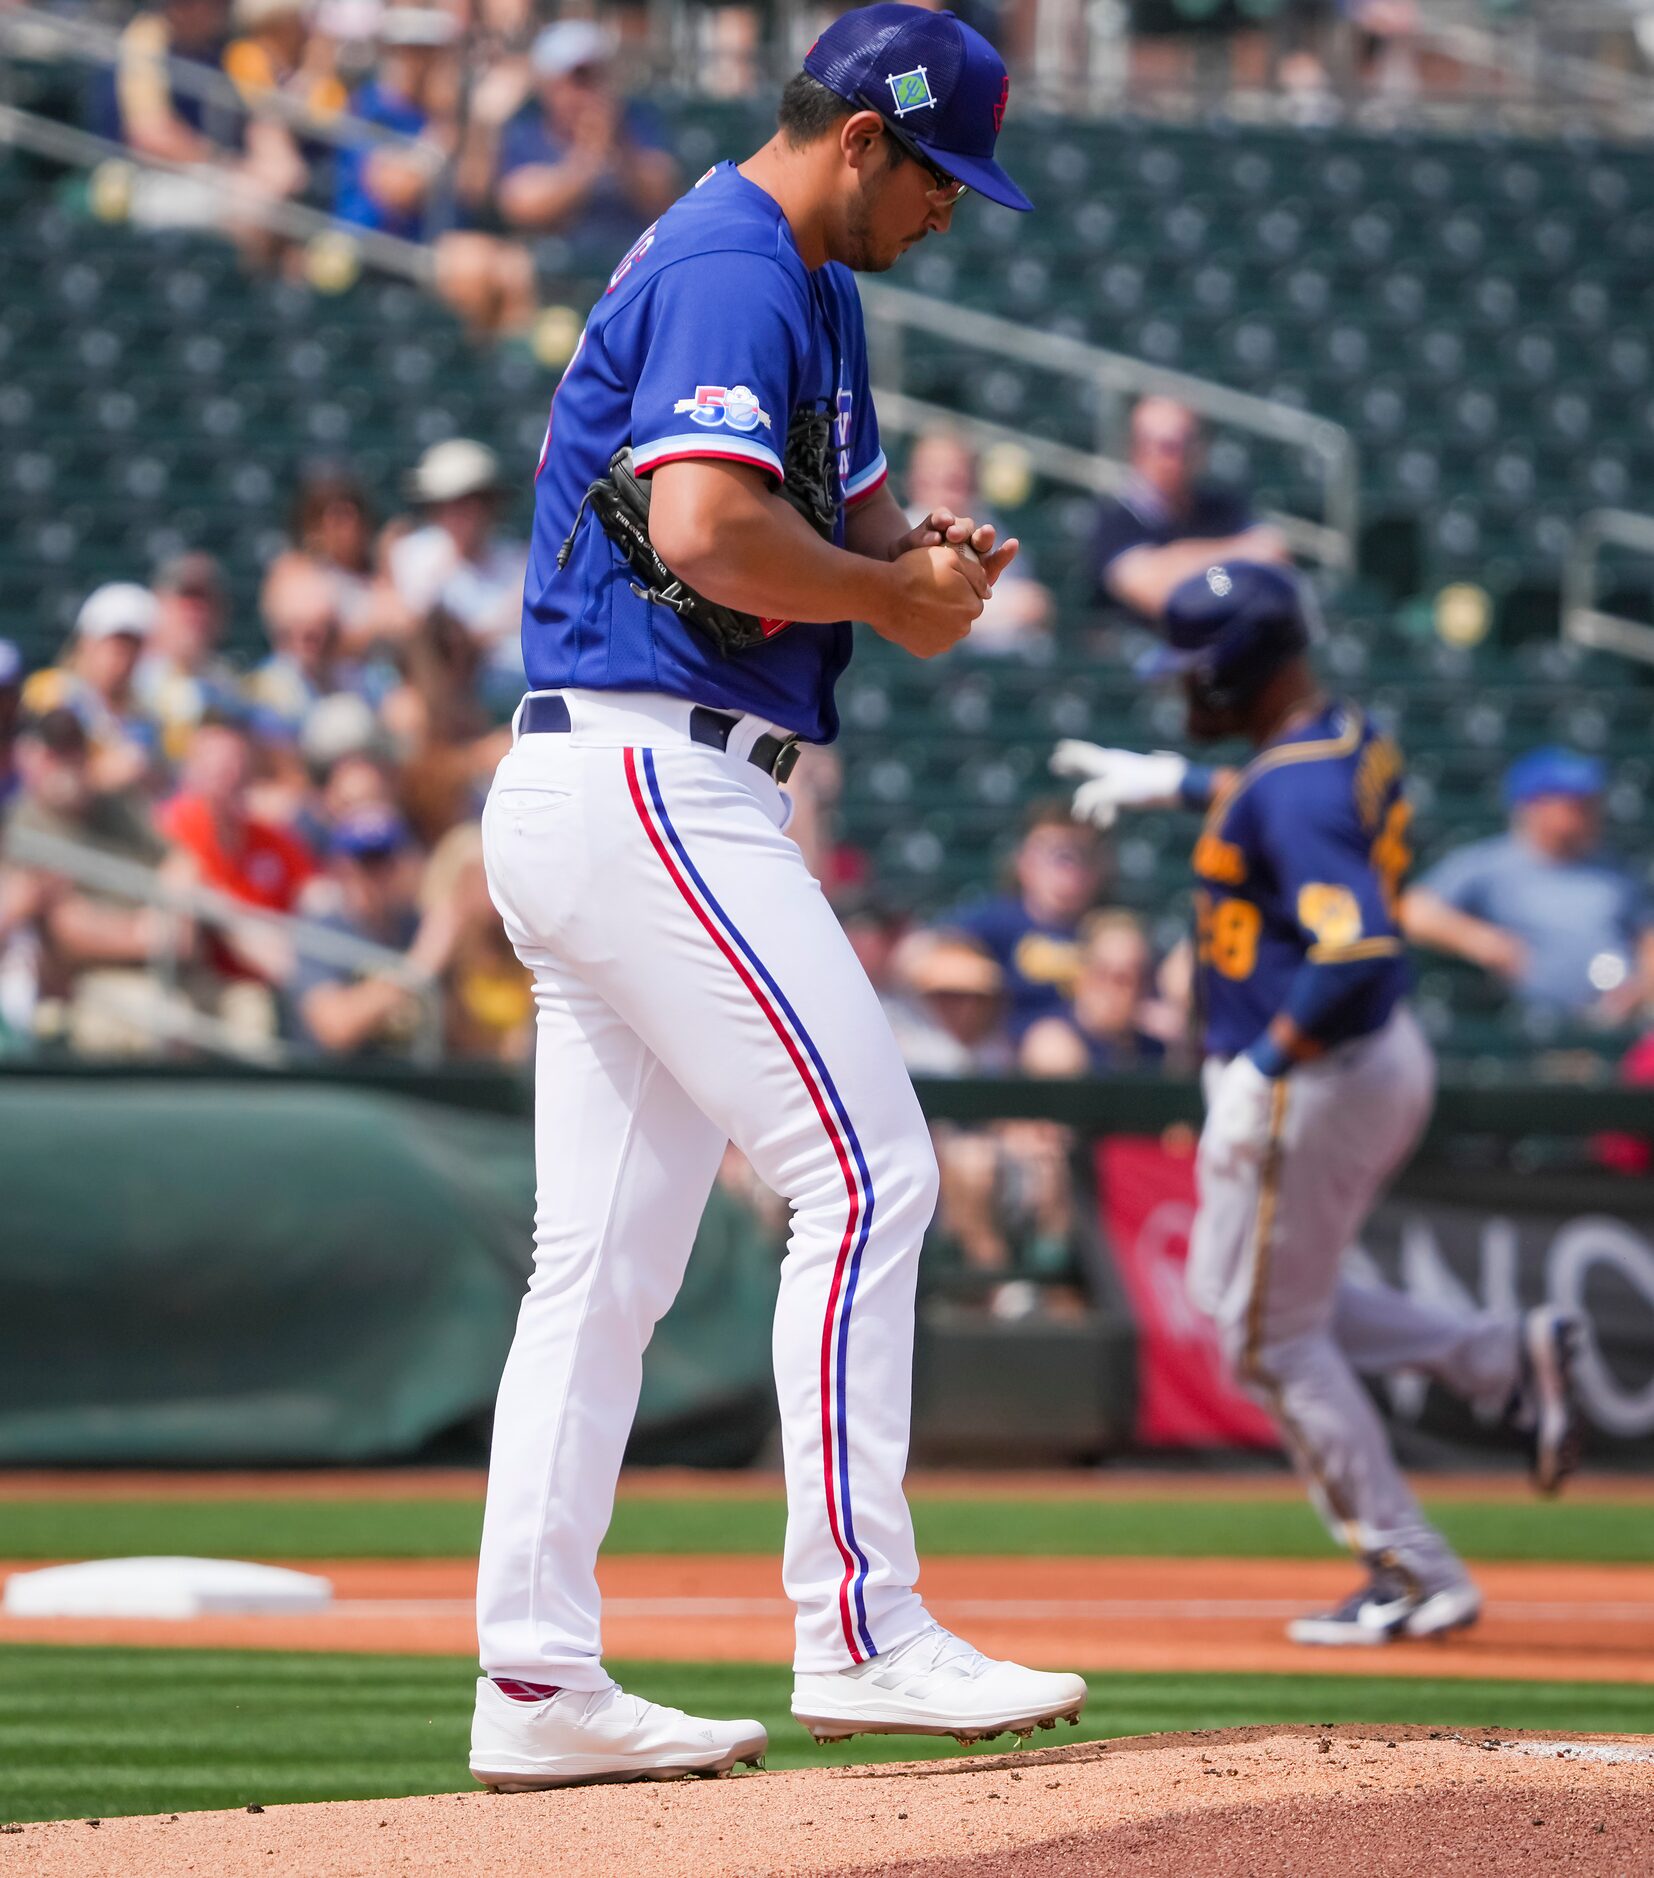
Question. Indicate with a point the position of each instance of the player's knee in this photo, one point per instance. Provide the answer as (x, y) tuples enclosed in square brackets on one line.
[(907, 1186)]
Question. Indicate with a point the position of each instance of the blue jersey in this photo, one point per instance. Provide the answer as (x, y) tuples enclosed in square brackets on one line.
[(1300, 862), (1040, 961), (352, 200), (711, 334)]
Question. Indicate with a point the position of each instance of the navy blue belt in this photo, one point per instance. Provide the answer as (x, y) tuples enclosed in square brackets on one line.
[(546, 711)]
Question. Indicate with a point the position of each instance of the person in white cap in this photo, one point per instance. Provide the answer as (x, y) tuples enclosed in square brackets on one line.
[(583, 163), (458, 562), (94, 680), (391, 188)]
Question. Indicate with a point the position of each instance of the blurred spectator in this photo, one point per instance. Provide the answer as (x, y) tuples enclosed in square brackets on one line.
[(813, 790), (1057, 872), (301, 616), (457, 560), (1105, 1031), (488, 996), (357, 778), (449, 746), (181, 675), (1005, 1189), (393, 187), (88, 950), (942, 474), (274, 51), (875, 930), (331, 523), (1541, 907), (11, 695), (1169, 523), (231, 849), (161, 116), (95, 681), (580, 162), (373, 870), (955, 1025)]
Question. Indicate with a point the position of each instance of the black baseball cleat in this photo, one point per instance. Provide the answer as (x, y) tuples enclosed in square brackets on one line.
[(1545, 1409), (1387, 1608)]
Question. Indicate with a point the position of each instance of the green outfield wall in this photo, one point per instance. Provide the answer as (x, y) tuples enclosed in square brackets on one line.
[(210, 1268)]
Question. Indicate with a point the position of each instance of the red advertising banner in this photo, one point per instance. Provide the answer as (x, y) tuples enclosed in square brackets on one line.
[(1185, 1398)]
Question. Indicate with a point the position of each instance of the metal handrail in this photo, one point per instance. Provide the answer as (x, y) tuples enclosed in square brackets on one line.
[(1119, 377), (131, 880), (45, 34), (1583, 621), (1060, 462), (1586, 79), (84, 149)]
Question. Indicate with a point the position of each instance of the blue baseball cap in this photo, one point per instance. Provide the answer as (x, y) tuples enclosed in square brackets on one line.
[(1238, 620), (11, 663), (936, 81), (1553, 771), (369, 834)]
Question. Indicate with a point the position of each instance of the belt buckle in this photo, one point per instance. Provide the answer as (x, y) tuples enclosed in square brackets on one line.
[(786, 758)]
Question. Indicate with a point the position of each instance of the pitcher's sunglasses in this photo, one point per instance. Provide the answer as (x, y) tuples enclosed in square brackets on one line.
[(949, 188)]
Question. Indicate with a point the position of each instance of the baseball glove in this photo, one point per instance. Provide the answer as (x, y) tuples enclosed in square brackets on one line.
[(620, 502)]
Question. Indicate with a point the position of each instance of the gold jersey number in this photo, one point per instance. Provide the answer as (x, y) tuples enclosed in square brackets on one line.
[(1226, 933)]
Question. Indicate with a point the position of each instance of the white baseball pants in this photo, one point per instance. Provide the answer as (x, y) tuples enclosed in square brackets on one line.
[(1264, 1258), (691, 986)]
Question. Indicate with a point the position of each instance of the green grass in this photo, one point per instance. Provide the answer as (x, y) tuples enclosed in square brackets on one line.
[(1204, 1526), (91, 1733)]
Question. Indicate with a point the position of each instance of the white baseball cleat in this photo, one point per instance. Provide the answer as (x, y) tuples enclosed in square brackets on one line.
[(1387, 1608), (582, 1736), (935, 1685)]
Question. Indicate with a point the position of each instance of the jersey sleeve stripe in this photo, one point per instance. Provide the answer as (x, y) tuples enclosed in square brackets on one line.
[(865, 481), (1379, 948), (650, 456)]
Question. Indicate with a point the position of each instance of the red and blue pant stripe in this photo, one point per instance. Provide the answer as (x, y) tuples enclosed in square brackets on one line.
[(835, 1119)]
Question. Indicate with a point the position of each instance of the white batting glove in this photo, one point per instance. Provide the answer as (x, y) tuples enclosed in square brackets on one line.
[(1118, 779), (1238, 1116)]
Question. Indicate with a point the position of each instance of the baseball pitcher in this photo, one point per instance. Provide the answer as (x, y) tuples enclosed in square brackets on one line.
[(1318, 1085), (710, 513)]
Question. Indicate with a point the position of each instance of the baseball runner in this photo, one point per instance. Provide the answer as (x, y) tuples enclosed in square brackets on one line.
[(710, 511), (1318, 1084)]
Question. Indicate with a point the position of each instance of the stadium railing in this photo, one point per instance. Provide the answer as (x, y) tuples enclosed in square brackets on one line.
[(1117, 379), (1114, 378), (1584, 621), (132, 883)]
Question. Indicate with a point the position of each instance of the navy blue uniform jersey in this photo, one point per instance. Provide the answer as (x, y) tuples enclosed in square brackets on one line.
[(1300, 863), (710, 335), (1040, 961)]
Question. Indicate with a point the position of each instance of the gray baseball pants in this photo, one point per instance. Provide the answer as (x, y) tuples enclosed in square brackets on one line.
[(1264, 1258)]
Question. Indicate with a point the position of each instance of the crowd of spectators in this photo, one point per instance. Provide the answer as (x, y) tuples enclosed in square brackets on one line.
[(339, 780), (502, 143)]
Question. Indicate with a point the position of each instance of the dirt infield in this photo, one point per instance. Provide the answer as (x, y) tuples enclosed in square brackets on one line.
[(1548, 1622), (1388, 1803)]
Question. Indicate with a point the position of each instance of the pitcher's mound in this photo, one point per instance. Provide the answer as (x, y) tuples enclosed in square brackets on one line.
[(1382, 1802)]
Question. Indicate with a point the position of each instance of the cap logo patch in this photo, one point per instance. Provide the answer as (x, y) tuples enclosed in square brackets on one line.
[(910, 90), (1004, 99)]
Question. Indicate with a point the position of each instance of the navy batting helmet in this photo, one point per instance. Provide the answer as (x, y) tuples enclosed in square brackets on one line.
[(1233, 628)]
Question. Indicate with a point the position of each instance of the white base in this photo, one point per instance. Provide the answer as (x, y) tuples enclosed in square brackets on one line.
[(161, 1587)]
